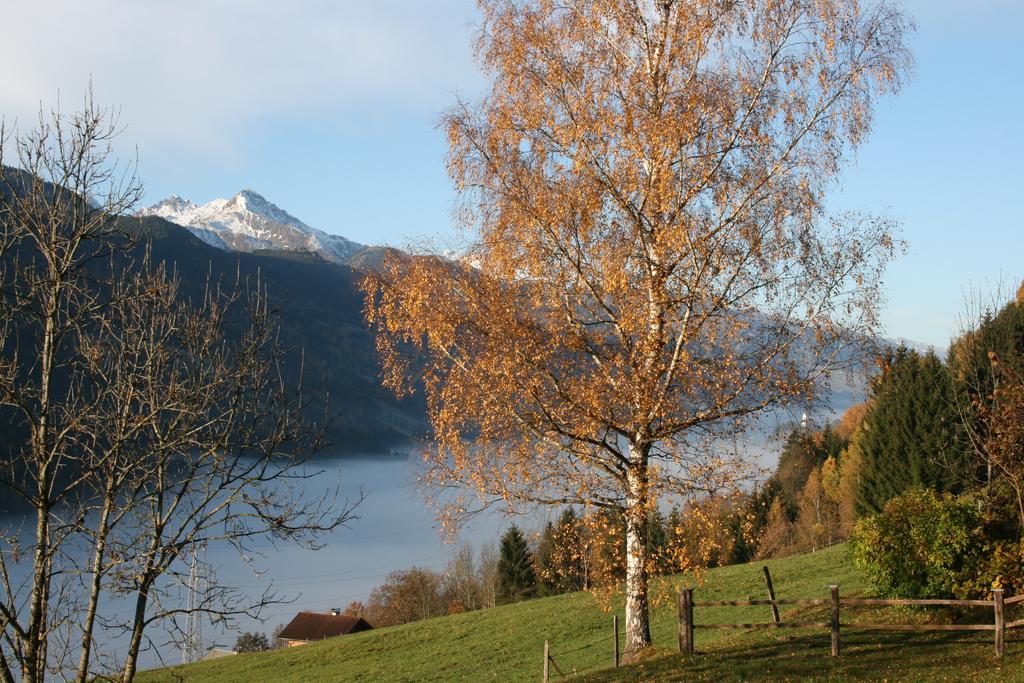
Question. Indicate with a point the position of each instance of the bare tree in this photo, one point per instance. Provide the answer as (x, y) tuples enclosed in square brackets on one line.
[(145, 425), (225, 452), (487, 566), (461, 581), (61, 211)]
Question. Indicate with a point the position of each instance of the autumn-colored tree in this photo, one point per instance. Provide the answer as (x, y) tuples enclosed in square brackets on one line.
[(777, 535), (817, 521), (851, 419), (406, 595), (988, 352), (705, 533), (1004, 445), (847, 488), (569, 558), (462, 585), (648, 262), (802, 453), (356, 608)]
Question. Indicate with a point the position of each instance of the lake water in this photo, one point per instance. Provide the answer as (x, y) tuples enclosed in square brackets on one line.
[(395, 530)]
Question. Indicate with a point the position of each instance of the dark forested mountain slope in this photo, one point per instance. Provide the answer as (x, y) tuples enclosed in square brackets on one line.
[(320, 309)]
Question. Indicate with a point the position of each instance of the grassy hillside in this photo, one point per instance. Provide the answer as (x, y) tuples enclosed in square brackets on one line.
[(506, 643)]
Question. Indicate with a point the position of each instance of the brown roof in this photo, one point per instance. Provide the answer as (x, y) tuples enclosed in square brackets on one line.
[(317, 626)]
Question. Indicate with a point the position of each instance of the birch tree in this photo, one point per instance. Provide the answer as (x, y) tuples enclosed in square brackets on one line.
[(648, 263)]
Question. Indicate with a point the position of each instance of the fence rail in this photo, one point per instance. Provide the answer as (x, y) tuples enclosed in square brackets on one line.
[(687, 624), (998, 603)]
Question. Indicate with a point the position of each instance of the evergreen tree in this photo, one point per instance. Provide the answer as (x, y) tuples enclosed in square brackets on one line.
[(251, 642), (517, 579), (910, 433), (996, 332), (657, 539), (547, 562)]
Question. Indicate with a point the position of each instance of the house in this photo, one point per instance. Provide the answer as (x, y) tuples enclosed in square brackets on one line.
[(310, 626), (218, 652)]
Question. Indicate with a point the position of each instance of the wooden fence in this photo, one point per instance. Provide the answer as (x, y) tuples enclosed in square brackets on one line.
[(687, 624), (998, 605)]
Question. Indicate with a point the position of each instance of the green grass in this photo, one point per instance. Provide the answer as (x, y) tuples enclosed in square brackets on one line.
[(506, 643)]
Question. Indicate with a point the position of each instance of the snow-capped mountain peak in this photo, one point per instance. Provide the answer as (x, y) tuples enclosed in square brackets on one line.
[(171, 207), (247, 222)]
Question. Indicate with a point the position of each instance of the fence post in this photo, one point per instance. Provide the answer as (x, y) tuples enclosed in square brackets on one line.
[(771, 594), (615, 630), (997, 603), (834, 591), (547, 658), (682, 618), (686, 621)]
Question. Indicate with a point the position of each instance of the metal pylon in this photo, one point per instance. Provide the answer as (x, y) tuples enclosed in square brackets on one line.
[(192, 647)]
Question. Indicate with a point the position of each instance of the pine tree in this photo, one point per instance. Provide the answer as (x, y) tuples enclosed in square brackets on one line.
[(910, 433), (657, 540), (517, 579), (547, 562)]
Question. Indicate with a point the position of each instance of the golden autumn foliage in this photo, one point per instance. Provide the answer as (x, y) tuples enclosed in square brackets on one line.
[(648, 262), (1004, 419)]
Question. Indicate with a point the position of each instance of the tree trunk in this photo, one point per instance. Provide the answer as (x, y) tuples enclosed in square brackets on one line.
[(638, 629), (131, 661), (99, 555), (33, 666)]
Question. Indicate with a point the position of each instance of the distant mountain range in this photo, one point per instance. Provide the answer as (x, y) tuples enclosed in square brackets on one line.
[(249, 222), (311, 278)]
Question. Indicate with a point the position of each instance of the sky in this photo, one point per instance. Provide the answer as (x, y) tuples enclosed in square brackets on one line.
[(329, 110)]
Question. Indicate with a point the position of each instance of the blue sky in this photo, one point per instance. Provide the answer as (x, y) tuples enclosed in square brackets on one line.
[(328, 109)]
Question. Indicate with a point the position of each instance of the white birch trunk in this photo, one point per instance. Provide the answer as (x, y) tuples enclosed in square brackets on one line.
[(638, 629)]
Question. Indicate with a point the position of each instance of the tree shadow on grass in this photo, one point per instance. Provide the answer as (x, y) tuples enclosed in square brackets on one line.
[(870, 655)]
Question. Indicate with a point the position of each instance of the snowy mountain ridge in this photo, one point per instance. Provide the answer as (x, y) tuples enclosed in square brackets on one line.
[(247, 222)]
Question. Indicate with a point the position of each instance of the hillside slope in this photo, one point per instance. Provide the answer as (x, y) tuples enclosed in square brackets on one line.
[(321, 322), (506, 643)]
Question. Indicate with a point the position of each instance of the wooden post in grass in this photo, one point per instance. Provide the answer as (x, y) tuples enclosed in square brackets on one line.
[(547, 658), (686, 621), (615, 633), (682, 619), (997, 604), (834, 591), (771, 594)]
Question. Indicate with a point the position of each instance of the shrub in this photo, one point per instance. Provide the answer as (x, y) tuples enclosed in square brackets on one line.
[(251, 642), (922, 545)]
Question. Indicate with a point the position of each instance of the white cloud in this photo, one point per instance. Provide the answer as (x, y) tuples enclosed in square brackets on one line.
[(195, 73)]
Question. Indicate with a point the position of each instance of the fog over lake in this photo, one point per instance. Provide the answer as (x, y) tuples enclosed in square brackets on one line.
[(395, 530)]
